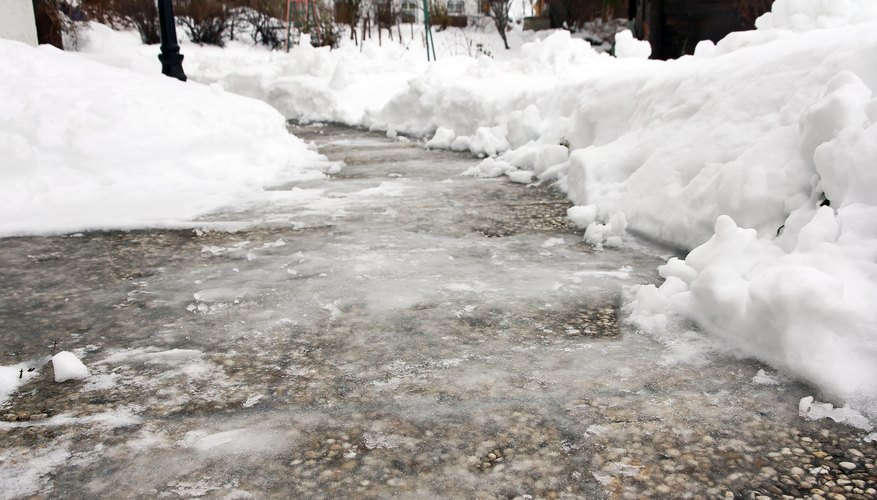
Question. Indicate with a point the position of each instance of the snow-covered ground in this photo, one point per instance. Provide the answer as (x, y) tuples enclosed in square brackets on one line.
[(756, 154)]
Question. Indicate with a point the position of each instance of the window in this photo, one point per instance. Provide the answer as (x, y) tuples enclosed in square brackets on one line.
[(456, 8), (409, 6)]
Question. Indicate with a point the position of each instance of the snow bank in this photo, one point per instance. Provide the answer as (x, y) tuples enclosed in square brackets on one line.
[(804, 15), (87, 146), (489, 106), (787, 275)]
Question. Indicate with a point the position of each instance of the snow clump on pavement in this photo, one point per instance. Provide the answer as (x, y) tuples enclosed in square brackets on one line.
[(67, 366)]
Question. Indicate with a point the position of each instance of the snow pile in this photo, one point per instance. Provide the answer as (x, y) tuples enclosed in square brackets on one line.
[(469, 100), (797, 290), (803, 15), (88, 146), (67, 366), (628, 46), (346, 85), (489, 106)]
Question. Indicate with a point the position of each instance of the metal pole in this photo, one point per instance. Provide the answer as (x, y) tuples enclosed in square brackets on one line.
[(170, 57), (287, 24), (432, 44), (427, 35)]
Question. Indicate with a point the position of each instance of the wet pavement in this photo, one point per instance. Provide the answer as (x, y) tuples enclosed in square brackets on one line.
[(394, 330)]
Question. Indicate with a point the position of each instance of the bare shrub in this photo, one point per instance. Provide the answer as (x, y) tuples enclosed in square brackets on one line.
[(205, 21), (141, 15)]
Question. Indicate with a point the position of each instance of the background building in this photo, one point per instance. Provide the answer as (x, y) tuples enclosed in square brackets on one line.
[(17, 21)]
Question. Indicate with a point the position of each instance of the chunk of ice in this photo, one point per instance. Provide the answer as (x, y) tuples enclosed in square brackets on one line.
[(68, 367)]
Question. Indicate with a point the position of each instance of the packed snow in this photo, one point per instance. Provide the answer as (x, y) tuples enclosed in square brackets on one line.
[(756, 155), (12, 377)]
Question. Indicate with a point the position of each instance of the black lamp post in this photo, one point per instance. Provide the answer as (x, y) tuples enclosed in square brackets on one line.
[(170, 57)]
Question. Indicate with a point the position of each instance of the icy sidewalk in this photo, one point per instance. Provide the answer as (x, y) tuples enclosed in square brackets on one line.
[(395, 330)]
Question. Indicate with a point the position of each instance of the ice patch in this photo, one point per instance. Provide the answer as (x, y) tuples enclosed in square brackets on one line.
[(252, 400), (763, 378), (552, 242), (596, 429), (122, 417), (377, 440), (388, 188), (814, 410), (28, 472), (613, 470), (244, 441)]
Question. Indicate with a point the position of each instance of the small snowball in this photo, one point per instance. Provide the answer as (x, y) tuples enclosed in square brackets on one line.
[(705, 48), (595, 234), (582, 215), (442, 139), (68, 367), (628, 46), (521, 176), (678, 268), (489, 167)]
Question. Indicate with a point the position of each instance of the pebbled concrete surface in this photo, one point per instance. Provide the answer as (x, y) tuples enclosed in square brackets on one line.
[(395, 330)]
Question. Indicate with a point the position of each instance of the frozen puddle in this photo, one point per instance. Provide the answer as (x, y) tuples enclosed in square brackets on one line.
[(394, 330)]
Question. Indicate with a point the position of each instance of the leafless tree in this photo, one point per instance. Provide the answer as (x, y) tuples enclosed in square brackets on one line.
[(265, 20), (140, 14), (499, 11), (349, 12)]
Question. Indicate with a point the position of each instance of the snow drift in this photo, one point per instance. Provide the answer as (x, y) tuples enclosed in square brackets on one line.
[(88, 146)]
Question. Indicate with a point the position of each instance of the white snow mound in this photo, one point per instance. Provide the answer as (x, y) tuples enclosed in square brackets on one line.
[(88, 146), (68, 367)]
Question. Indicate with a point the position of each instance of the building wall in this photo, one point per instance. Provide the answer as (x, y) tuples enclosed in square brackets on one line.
[(17, 21)]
